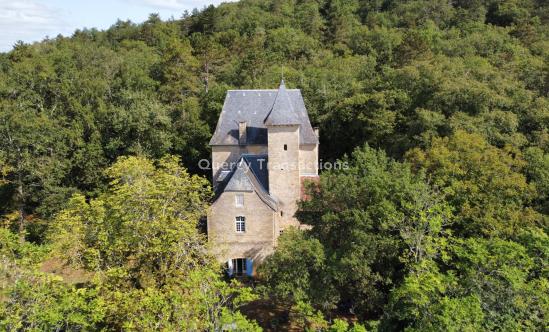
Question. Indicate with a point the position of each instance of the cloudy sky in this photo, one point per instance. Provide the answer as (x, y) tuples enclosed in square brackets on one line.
[(32, 20)]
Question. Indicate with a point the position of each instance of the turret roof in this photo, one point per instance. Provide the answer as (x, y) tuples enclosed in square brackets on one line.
[(282, 111)]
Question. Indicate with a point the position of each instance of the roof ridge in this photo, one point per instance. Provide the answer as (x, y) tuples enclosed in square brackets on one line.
[(263, 194)]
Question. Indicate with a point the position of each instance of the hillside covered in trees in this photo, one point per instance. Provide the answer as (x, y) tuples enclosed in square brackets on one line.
[(440, 107)]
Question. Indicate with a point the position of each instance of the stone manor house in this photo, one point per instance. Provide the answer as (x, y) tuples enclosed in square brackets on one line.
[(263, 151)]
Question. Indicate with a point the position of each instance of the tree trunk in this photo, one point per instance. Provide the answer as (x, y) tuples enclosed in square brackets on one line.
[(207, 78), (21, 210), (20, 205)]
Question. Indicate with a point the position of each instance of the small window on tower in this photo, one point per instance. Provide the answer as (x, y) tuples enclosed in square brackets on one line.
[(285, 147)]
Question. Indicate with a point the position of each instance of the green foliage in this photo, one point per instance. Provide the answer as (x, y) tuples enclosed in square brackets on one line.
[(367, 221), (150, 214), (295, 271), (537, 170), (307, 318), (392, 74), (500, 273), (14, 251), (425, 301), (488, 285), (458, 89), (35, 301), (381, 232), (484, 184), (44, 303), (339, 325), (149, 267)]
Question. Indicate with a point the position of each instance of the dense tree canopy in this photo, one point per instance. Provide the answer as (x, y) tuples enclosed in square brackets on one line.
[(441, 109), (403, 251), (393, 74), (148, 266)]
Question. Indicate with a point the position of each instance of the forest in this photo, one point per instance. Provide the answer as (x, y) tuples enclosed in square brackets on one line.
[(440, 222)]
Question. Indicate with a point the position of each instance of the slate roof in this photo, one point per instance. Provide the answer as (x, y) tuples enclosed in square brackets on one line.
[(255, 107), (249, 174), (282, 112)]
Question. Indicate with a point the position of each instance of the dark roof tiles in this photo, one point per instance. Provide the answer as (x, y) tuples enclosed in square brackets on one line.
[(249, 174), (255, 107), (282, 112)]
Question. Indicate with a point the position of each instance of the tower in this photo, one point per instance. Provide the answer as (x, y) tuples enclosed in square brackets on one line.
[(283, 126), (264, 149)]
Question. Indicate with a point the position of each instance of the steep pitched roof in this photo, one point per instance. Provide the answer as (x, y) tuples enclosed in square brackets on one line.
[(253, 107), (239, 180), (258, 166), (282, 112), (249, 174)]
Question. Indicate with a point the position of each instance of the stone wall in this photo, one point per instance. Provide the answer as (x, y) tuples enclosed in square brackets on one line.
[(287, 168), (258, 240), (283, 166), (308, 159)]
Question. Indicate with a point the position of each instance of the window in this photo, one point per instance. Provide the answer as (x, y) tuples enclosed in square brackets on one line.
[(240, 224), (239, 266), (285, 147), (239, 200)]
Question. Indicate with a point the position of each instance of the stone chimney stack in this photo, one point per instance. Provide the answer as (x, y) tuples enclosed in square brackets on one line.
[(242, 133)]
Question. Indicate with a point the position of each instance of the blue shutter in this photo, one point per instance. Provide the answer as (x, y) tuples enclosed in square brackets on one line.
[(249, 266), (230, 267)]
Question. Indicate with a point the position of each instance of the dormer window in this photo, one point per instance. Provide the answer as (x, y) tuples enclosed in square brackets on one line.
[(285, 147)]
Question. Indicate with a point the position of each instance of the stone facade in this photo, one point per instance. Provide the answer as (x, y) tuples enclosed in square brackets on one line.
[(263, 148), (256, 242), (283, 170)]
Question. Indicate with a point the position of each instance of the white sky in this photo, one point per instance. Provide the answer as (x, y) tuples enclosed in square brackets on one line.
[(33, 20)]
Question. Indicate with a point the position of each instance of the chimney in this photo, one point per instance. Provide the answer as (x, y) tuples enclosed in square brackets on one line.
[(242, 133), (317, 132)]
